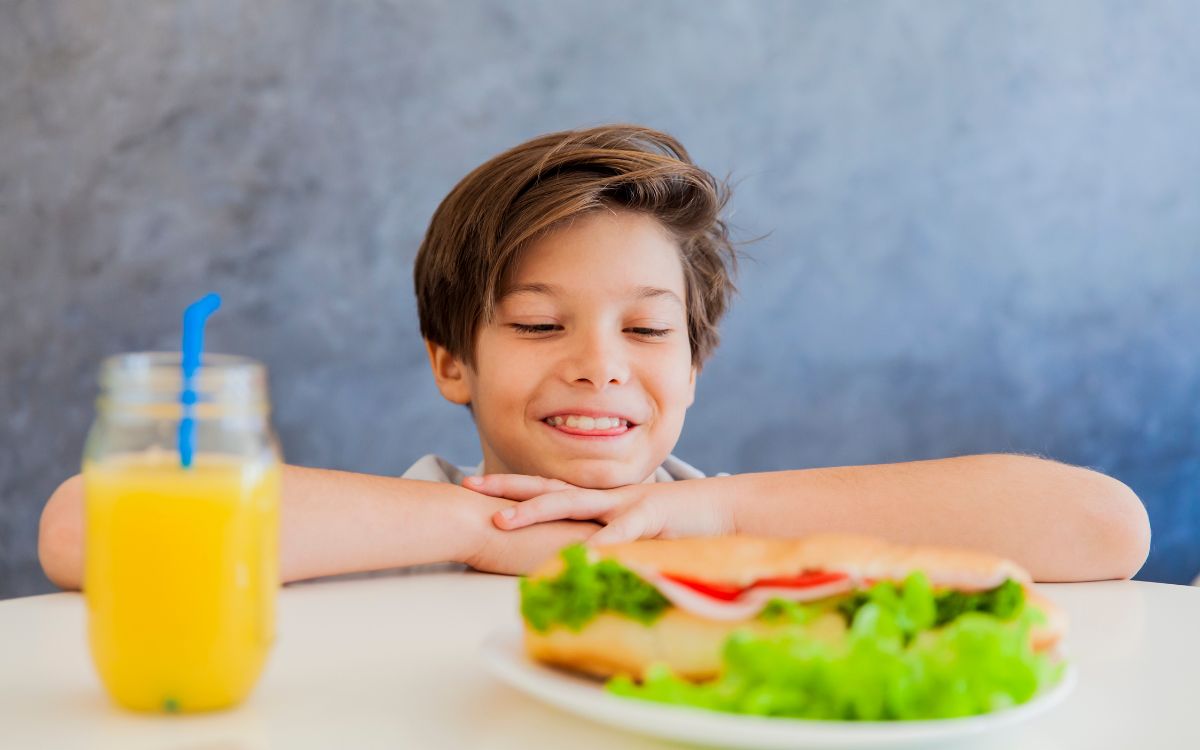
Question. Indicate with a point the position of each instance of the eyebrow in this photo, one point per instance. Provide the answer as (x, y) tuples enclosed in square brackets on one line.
[(641, 292)]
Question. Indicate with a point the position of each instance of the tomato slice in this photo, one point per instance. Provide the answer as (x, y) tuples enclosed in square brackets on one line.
[(725, 593), (728, 592)]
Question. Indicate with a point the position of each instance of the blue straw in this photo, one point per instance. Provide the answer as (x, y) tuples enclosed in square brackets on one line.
[(194, 318)]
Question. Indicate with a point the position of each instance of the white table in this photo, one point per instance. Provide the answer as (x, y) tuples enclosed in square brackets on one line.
[(392, 662)]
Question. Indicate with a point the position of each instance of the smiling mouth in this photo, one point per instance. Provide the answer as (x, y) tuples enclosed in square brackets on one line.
[(580, 426)]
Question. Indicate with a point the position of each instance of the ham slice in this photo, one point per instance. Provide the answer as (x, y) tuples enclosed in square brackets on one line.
[(745, 606)]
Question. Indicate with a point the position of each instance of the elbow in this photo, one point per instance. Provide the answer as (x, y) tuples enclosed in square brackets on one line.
[(1122, 528), (1100, 528), (60, 535)]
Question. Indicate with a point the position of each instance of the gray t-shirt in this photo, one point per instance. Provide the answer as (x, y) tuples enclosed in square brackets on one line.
[(434, 468)]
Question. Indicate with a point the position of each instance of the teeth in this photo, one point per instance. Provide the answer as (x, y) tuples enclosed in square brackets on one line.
[(577, 422)]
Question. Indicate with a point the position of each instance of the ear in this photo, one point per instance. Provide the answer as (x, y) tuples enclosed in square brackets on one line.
[(449, 373), (691, 397)]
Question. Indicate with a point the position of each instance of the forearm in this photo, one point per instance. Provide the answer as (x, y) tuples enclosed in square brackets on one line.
[(331, 522), (337, 522), (334, 522), (1062, 523)]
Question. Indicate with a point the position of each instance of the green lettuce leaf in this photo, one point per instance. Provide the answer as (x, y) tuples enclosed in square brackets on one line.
[(584, 590), (895, 663), (912, 601)]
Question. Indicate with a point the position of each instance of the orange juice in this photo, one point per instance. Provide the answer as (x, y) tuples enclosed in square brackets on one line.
[(180, 578)]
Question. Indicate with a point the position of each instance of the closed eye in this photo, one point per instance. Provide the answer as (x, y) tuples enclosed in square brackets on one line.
[(654, 332), (536, 328), (552, 327)]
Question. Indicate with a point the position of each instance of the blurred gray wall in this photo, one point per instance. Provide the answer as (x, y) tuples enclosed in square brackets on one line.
[(984, 219)]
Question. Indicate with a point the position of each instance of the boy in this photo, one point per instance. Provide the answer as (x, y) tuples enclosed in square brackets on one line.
[(569, 291)]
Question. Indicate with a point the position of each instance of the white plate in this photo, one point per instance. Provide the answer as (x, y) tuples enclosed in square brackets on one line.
[(504, 655)]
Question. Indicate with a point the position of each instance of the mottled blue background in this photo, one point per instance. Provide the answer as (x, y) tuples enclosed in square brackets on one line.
[(984, 227)]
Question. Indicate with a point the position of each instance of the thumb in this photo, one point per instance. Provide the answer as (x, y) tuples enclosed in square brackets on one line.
[(627, 527)]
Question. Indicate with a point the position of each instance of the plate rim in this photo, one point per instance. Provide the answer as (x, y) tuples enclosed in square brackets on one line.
[(503, 655)]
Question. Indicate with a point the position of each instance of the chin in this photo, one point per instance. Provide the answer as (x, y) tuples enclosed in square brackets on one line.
[(602, 476)]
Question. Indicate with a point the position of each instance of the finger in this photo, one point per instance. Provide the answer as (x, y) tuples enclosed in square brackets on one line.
[(514, 486), (576, 504), (627, 527)]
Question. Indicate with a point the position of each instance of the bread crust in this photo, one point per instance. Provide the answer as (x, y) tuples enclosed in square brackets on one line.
[(691, 646), (741, 560), (1047, 635)]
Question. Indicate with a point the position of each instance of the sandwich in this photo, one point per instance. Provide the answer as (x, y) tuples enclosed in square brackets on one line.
[(831, 626)]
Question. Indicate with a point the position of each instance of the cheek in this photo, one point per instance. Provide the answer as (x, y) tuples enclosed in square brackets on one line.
[(507, 388), (671, 379), (500, 372)]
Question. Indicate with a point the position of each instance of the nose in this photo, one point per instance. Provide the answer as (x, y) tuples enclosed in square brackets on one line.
[(597, 359)]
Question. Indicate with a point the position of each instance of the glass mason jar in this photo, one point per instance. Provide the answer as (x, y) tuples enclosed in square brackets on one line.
[(181, 563)]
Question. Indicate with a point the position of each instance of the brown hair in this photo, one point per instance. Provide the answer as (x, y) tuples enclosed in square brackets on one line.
[(477, 233)]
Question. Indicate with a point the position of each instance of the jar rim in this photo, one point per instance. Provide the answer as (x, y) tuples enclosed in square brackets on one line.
[(160, 359), (140, 377)]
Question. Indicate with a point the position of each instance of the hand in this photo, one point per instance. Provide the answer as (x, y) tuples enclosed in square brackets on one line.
[(494, 551), (635, 511)]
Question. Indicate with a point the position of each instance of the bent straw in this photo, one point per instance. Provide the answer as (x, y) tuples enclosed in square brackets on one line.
[(194, 319)]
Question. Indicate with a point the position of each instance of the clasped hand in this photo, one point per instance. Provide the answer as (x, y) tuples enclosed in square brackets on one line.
[(634, 511)]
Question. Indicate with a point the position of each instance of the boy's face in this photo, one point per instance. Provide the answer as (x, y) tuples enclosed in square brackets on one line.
[(585, 373)]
